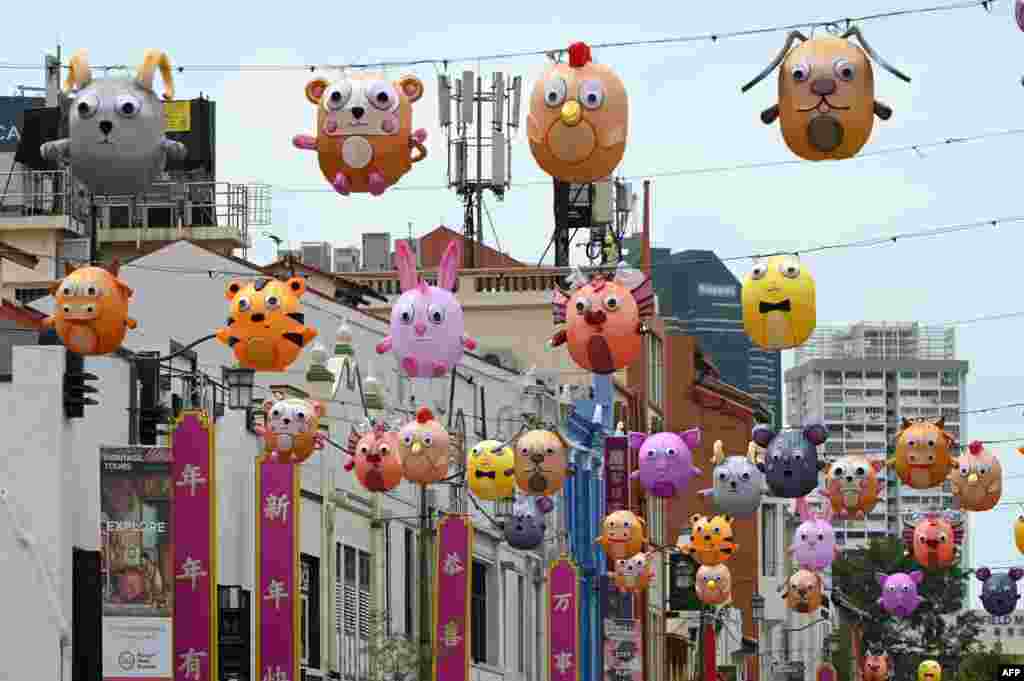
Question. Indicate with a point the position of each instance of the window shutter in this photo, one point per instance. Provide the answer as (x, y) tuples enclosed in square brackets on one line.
[(350, 608), (364, 614)]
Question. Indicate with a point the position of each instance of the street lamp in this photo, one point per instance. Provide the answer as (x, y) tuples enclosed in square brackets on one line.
[(757, 612), (239, 382)]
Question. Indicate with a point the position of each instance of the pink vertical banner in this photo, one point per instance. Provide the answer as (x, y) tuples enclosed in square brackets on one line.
[(453, 578), (563, 620), (194, 514), (277, 571)]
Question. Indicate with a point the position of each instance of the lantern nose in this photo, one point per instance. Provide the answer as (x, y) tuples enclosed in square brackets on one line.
[(973, 477), (823, 86), (712, 584), (572, 114)]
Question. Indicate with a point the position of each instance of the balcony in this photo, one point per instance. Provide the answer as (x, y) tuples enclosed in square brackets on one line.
[(41, 199)]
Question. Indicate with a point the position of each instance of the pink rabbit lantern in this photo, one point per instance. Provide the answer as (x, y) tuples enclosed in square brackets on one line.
[(814, 542), (427, 326)]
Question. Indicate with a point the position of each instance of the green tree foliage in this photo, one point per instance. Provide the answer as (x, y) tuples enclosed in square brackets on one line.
[(843, 660), (982, 665), (392, 657), (939, 629)]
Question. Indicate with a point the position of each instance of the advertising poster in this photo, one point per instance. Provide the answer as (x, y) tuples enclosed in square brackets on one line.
[(136, 537), (453, 570), (563, 621), (623, 651)]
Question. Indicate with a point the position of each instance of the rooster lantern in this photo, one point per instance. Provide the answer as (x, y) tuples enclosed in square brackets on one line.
[(714, 584), (827, 104), (603, 318), (423, 445), (91, 310), (579, 119), (977, 480)]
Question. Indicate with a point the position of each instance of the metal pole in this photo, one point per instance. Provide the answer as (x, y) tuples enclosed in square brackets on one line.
[(425, 612), (94, 249), (479, 166), (326, 551)]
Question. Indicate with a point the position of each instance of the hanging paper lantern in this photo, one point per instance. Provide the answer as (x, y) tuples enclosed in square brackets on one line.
[(779, 308), (711, 539), (116, 124), (999, 592), (542, 462), (924, 453), (814, 541), (899, 592), (579, 119), (623, 535), (851, 485), (934, 538), (1018, 13), (666, 461), (292, 428), (877, 667), (491, 470), (427, 326), (929, 670), (791, 462), (803, 591), (526, 528), (1018, 532), (265, 325), (827, 104), (633, 575), (375, 457), (423, 445), (977, 479), (602, 318), (714, 584), (364, 139), (91, 310), (737, 481)]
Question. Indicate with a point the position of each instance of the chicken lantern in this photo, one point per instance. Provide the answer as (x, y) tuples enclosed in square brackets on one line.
[(977, 480), (91, 310), (714, 584), (423, 446), (579, 119)]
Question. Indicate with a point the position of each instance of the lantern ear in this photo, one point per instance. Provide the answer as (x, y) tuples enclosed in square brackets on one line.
[(297, 285), (882, 111), (1016, 573), (917, 576), (719, 453), (881, 577), (233, 289), (763, 435), (267, 406), (790, 39), (636, 440), (315, 90), (983, 574)]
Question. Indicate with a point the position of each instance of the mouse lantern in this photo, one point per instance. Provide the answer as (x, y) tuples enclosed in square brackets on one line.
[(91, 310), (977, 480), (266, 326), (491, 470), (633, 575), (924, 453), (602, 318), (116, 144), (1018, 13), (934, 538), (623, 535), (423, 446), (779, 305), (999, 591), (375, 458), (790, 462), (291, 430), (666, 461), (714, 584), (737, 482), (579, 119), (826, 103), (364, 138), (542, 462)]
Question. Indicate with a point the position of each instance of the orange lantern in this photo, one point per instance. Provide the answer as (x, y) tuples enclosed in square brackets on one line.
[(977, 480), (623, 535), (292, 428), (934, 538), (924, 453), (423, 445), (91, 310), (542, 462), (633, 575), (712, 541), (714, 584), (375, 457)]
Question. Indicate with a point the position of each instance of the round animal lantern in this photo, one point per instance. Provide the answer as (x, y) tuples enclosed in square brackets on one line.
[(877, 667), (712, 541), (292, 428), (579, 119), (1018, 531), (924, 453), (934, 538), (525, 529), (265, 326), (666, 461), (791, 462), (423, 446), (714, 584), (633, 575), (814, 541), (427, 326), (116, 144), (779, 303), (851, 485), (737, 480), (977, 480), (542, 462), (623, 535), (603, 318), (491, 470), (999, 591), (91, 310), (364, 139), (899, 592), (826, 105), (375, 457), (929, 670), (1018, 13), (803, 591)]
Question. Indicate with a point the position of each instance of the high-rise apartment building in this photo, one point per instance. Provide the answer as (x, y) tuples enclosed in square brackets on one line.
[(317, 254), (861, 380), (346, 259), (377, 251)]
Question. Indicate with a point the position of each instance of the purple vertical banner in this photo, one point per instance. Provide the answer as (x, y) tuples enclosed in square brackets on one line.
[(194, 513), (453, 577), (563, 620), (277, 571), (616, 474)]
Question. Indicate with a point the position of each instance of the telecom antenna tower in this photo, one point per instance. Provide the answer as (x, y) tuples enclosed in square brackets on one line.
[(466, 139)]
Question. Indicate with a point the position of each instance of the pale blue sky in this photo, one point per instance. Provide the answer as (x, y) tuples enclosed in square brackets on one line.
[(686, 112)]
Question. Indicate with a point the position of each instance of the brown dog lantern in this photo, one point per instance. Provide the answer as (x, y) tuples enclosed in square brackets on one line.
[(827, 102)]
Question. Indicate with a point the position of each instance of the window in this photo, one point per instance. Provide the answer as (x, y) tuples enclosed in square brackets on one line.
[(25, 296), (769, 514), (309, 615), (833, 395), (352, 605), (655, 365), (478, 613), (523, 630), (908, 374), (410, 572)]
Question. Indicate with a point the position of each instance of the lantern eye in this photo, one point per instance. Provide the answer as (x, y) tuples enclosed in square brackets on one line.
[(244, 305), (87, 106), (983, 470), (407, 439), (790, 270), (405, 314), (670, 452), (801, 72), (760, 269), (364, 450), (843, 69), (837, 471), (128, 106), (435, 313), (582, 305), (273, 302), (591, 94), (861, 472), (554, 91), (931, 443), (428, 440), (611, 303), (384, 449), (338, 95), (722, 476), (746, 476), (382, 96), (965, 470)]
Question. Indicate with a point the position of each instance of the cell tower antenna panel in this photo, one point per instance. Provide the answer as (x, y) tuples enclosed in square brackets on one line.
[(498, 175), (498, 85), (444, 102), (517, 95), (468, 90)]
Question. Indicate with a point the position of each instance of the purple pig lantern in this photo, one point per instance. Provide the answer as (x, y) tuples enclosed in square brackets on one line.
[(666, 461), (899, 592)]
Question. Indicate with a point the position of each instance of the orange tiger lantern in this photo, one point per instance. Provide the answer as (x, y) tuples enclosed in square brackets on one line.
[(712, 540), (91, 310), (924, 453), (934, 538), (623, 535)]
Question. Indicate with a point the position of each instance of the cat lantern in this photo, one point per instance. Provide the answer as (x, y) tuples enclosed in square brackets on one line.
[(602, 318), (666, 461), (116, 143), (737, 482), (427, 326), (526, 527), (826, 105), (91, 310)]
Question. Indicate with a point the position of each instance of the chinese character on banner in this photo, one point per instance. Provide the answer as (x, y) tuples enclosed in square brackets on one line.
[(453, 564), (563, 618), (275, 674), (275, 507), (563, 662), (192, 665), (562, 602), (276, 592), (191, 478), (192, 569), (451, 634)]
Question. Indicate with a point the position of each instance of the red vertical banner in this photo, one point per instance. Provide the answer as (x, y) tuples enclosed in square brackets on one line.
[(453, 579), (710, 653), (616, 474), (278, 605), (194, 513), (563, 620)]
